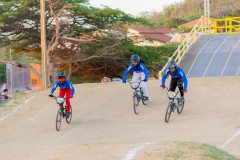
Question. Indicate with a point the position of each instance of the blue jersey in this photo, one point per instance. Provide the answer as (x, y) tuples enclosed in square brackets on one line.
[(139, 68), (64, 85), (179, 73)]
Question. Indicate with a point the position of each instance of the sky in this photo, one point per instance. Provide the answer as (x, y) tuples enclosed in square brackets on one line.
[(134, 7)]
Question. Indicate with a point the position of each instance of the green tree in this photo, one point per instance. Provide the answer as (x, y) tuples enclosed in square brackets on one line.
[(76, 32), (174, 22), (3, 78)]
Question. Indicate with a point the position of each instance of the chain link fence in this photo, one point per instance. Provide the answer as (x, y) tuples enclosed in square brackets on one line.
[(17, 78)]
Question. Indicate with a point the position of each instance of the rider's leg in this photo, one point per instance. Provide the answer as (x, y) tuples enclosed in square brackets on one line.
[(68, 93), (173, 84), (62, 93), (180, 87), (136, 76), (143, 85)]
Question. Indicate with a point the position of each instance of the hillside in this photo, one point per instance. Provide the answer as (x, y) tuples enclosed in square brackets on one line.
[(187, 10)]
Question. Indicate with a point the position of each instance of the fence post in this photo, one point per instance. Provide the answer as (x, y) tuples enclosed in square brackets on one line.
[(230, 25), (179, 54)]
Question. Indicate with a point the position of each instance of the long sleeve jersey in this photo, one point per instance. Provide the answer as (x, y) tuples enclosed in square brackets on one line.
[(179, 73), (139, 68), (65, 85)]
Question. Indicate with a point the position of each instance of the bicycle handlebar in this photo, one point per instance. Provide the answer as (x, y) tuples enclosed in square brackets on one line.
[(167, 89), (134, 82), (136, 87), (54, 97)]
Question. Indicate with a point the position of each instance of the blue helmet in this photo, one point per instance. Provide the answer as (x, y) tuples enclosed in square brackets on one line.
[(135, 58), (172, 64), (62, 74)]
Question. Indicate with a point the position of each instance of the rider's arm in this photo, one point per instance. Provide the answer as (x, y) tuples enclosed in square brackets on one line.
[(72, 88), (126, 73), (165, 76), (145, 71), (54, 87), (184, 78)]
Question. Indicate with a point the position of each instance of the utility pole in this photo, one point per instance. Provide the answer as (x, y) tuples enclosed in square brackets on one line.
[(207, 23), (43, 43), (207, 8), (11, 66), (11, 72)]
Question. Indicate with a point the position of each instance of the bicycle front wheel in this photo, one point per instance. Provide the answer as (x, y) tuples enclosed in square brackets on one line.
[(68, 120), (135, 104), (168, 112), (58, 120)]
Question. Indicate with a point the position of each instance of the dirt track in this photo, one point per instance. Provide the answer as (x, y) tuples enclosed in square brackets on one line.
[(105, 127)]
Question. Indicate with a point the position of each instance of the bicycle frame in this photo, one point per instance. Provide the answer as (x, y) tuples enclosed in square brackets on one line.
[(173, 100)]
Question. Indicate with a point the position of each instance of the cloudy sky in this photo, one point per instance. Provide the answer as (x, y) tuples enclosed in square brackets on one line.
[(134, 7)]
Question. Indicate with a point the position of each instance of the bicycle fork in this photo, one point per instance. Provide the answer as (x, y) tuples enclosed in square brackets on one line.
[(135, 94), (62, 111), (172, 104)]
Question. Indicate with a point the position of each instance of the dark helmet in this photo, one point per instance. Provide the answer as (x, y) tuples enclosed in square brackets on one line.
[(172, 64), (62, 74), (135, 58)]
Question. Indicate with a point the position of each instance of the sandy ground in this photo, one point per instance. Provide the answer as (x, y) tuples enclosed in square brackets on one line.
[(104, 126)]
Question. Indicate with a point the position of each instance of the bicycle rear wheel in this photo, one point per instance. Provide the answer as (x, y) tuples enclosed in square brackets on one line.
[(135, 104), (58, 120), (180, 109), (168, 112), (68, 120)]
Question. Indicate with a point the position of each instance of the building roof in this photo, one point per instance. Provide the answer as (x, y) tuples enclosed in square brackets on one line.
[(142, 30), (192, 23), (155, 33), (161, 37)]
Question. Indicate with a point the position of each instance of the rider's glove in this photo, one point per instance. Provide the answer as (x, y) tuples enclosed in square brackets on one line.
[(70, 96), (145, 80), (123, 81), (50, 95), (185, 91), (162, 86)]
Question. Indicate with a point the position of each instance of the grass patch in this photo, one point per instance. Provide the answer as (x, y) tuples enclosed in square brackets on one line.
[(175, 154), (16, 99), (185, 151), (217, 154)]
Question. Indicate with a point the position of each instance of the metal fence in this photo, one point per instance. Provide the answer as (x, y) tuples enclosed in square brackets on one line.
[(17, 78)]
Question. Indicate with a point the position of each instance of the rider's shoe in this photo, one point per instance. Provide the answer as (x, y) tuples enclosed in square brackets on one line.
[(68, 114), (145, 98), (181, 101)]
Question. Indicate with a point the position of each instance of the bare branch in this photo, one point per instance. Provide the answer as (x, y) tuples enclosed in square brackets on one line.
[(66, 7), (79, 40), (97, 55)]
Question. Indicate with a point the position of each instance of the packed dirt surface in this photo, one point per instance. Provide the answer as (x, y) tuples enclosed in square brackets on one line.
[(104, 126)]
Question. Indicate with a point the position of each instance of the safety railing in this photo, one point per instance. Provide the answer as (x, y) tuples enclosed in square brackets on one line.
[(191, 37), (229, 25)]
